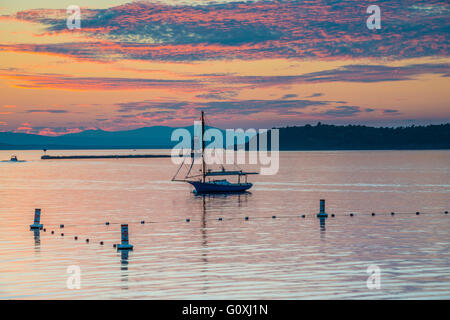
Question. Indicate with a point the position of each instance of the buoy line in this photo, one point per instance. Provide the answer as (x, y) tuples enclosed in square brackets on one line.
[(126, 246), (272, 217)]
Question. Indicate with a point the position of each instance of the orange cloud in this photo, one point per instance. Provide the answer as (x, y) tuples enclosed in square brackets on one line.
[(99, 83), (247, 30)]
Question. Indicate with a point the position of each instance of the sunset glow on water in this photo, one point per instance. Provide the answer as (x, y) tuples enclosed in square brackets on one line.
[(289, 257)]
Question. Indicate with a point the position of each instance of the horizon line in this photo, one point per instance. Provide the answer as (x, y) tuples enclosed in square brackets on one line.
[(319, 123)]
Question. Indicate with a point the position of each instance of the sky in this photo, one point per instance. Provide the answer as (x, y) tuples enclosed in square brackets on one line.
[(255, 64)]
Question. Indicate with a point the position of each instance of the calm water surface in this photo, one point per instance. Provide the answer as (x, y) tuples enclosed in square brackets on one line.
[(263, 258)]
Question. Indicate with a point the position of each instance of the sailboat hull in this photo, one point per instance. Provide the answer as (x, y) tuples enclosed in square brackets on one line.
[(211, 187)]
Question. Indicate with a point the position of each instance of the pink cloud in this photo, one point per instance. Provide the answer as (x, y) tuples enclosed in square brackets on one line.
[(250, 30)]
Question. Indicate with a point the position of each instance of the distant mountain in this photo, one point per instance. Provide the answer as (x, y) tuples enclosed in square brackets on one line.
[(153, 137), (318, 137), (355, 137), (157, 137)]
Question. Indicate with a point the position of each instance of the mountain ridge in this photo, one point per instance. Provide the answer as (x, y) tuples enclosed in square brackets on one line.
[(155, 137), (308, 137)]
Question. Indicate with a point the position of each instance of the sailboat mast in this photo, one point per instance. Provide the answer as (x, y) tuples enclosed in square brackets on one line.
[(203, 148)]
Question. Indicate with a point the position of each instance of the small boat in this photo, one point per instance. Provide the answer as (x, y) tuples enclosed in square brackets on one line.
[(13, 159), (203, 184), (219, 186)]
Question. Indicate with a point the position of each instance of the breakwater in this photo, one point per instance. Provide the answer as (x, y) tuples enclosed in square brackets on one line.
[(125, 156)]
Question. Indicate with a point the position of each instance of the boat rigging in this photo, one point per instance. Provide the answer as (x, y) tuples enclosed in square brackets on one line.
[(202, 184)]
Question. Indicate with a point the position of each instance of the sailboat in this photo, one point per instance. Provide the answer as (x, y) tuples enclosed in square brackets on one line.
[(205, 182)]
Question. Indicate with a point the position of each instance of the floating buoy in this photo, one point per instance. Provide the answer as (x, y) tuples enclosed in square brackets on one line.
[(61, 226), (76, 238), (446, 212), (373, 214), (332, 215), (114, 245), (124, 245), (87, 240), (246, 218), (274, 217), (101, 243), (351, 214), (107, 223), (188, 220), (37, 220), (45, 230), (142, 222), (220, 219), (62, 234), (53, 232), (417, 213), (392, 213), (322, 213), (303, 216)]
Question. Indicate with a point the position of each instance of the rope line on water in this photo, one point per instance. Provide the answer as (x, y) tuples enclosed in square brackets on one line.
[(246, 218), (93, 238)]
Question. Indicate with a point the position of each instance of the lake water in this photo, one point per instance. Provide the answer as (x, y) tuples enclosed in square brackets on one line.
[(289, 257)]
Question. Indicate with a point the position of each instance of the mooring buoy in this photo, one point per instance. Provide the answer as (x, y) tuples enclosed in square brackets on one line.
[(87, 240), (188, 220), (246, 218), (351, 214), (392, 213), (76, 238), (303, 216), (107, 223), (332, 215), (124, 245), (61, 226), (373, 213), (274, 217), (322, 213), (101, 243), (220, 219), (53, 232), (142, 222), (417, 213), (37, 220), (62, 234)]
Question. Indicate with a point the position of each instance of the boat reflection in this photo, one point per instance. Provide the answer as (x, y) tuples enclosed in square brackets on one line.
[(204, 246), (212, 200)]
